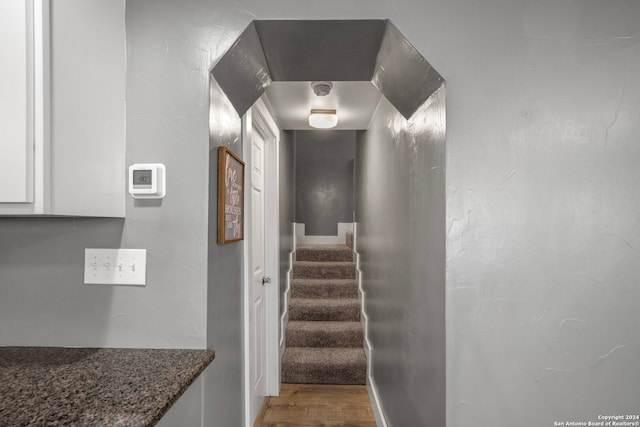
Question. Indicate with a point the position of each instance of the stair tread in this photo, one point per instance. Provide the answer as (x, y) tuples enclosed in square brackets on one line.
[(321, 365), (344, 248), (305, 281), (324, 309), (324, 301), (324, 325), (344, 334), (324, 270), (324, 355), (323, 263), (324, 288), (324, 253)]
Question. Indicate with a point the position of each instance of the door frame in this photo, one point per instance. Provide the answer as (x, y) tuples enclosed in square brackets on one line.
[(259, 115)]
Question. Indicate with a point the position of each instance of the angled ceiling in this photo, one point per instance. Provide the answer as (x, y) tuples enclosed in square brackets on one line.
[(321, 50), (346, 50)]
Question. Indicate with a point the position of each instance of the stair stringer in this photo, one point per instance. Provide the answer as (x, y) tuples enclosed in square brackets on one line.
[(374, 397), (284, 318)]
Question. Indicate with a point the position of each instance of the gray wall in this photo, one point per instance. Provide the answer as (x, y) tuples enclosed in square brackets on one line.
[(43, 300), (542, 200), (542, 203), (400, 193), (88, 46), (223, 380), (324, 180), (287, 208)]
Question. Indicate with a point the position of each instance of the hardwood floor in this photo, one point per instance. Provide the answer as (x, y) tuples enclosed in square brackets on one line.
[(315, 405)]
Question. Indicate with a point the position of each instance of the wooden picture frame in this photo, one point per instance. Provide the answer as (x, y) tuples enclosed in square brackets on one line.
[(230, 197)]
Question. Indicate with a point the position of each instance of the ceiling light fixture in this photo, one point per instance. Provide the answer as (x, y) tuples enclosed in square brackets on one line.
[(323, 119)]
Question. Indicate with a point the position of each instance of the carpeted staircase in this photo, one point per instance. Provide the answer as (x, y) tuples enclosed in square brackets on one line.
[(324, 336)]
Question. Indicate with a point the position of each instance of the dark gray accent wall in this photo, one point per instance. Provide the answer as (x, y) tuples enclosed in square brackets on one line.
[(400, 193), (287, 207), (324, 180), (402, 74), (243, 72), (303, 50)]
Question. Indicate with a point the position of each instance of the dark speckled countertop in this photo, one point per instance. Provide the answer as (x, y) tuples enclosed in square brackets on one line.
[(55, 386)]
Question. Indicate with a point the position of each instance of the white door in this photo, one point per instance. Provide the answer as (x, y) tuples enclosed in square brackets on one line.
[(257, 320), (261, 300)]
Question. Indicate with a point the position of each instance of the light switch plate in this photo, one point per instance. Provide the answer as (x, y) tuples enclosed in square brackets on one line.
[(115, 266)]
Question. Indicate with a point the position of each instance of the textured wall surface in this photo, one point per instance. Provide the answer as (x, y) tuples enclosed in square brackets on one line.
[(223, 380), (542, 200), (542, 213), (400, 188), (287, 207), (88, 46), (42, 298), (324, 180)]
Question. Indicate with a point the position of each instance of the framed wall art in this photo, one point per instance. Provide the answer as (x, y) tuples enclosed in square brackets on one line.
[(230, 197)]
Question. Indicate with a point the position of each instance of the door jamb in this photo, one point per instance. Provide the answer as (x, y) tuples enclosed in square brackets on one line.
[(246, 277)]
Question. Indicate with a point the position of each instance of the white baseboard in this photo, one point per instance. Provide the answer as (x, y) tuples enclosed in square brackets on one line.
[(284, 319), (376, 406), (340, 239)]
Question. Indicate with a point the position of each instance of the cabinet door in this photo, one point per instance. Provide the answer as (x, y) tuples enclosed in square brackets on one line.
[(16, 87), (78, 48)]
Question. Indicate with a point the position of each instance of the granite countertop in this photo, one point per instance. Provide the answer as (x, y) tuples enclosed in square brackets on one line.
[(56, 386)]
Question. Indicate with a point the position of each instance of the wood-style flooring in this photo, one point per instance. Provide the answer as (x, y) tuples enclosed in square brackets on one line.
[(315, 405)]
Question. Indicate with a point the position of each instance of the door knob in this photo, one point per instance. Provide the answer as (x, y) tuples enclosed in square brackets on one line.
[(266, 280)]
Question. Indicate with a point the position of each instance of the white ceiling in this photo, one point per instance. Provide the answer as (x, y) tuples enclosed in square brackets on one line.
[(355, 103)]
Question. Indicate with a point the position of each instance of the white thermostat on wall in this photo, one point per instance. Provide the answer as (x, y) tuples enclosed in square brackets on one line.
[(147, 180)]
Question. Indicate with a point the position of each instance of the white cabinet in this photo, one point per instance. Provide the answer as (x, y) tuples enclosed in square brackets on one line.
[(16, 106), (62, 109)]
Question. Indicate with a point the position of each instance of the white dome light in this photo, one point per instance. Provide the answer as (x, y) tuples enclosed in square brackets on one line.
[(323, 119)]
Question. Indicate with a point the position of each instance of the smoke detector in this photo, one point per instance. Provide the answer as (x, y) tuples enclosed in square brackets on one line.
[(321, 88)]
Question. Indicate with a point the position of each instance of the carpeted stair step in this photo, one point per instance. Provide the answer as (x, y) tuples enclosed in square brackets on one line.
[(324, 309), (324, 253), (324, 334), (324, 270), (349, 238), (311, 365), (324, 288)]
